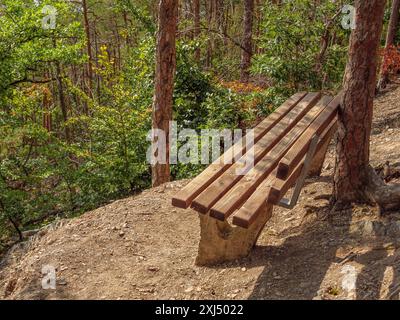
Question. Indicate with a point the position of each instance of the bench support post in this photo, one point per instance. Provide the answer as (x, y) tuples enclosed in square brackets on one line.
[(291, 203), (319, 158), (221, 242)]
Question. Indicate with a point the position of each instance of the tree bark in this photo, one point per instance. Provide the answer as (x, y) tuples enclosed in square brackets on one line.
[(355, 114), (88, 48), (391, 34), (63, 104), (210, 44), (164, 81), (196, 13), (247, 40), (393, 23)]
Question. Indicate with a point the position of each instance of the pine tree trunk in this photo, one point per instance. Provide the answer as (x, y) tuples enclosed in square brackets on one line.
[(88, 48), (196, 13), (355, 115), (164, 80), (391, 34), (63, 104), (210, 42), (247, 40)]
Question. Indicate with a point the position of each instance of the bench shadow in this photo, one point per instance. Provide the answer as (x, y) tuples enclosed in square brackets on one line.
[(295, 269), (370, 279)]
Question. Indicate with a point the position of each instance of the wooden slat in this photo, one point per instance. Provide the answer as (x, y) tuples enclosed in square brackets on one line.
[(281, 186), (184, 198), (246, 186), (219, 187), (299, 149), (248, 213)]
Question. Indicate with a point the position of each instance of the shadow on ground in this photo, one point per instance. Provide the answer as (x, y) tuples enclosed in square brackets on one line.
[(296, 269)]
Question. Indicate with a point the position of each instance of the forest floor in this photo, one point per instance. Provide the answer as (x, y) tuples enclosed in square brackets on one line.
[(143, 248)]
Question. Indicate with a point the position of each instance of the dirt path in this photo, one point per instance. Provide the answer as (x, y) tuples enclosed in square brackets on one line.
[(143, 248)]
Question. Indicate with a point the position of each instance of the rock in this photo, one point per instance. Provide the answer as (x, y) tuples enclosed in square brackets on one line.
[(379, 229), (62, 282), (190, 289), (393, 229), (365, 210), (244, 269), (121, 233), (153, 269), (309, 210), (371, 228)]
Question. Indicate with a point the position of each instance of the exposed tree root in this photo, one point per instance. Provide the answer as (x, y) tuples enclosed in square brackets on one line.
[(386, 196)]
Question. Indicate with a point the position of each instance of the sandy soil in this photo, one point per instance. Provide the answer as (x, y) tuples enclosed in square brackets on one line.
[(143, 248)]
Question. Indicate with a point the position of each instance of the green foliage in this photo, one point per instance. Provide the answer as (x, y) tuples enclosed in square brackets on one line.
[(26, 46), (292, 40)]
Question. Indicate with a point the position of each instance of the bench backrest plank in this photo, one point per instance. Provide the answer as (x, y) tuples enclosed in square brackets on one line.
[(184, 198), (273, 189), (219, 187), (246, 186), (299, 149), (279, 186)]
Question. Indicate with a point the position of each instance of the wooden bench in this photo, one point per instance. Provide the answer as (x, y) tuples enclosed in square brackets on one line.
[(289, 144)]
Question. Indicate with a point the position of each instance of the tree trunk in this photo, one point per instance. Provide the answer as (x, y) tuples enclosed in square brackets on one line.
[(219, 15), (196, 13), (394, 21), (247, 40), (391, 34), (63, 104), (164, 81), (355, 114), (88, 47), (210, 43)]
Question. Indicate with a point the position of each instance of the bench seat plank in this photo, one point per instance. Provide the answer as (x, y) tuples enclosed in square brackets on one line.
[(246, 186), (184, 198), (217, 189)]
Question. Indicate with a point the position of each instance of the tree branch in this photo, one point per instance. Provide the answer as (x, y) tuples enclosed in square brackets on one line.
[(221, 34)]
